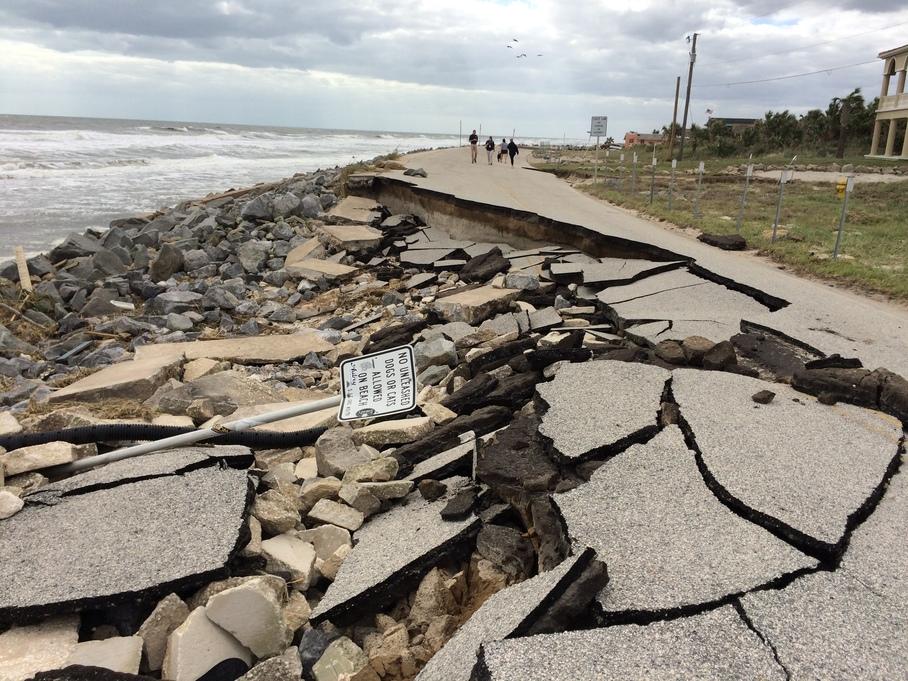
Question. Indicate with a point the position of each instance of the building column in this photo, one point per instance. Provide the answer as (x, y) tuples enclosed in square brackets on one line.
[(875, 141), (890, 137), (885, 89), (905, 141), (900, 84)]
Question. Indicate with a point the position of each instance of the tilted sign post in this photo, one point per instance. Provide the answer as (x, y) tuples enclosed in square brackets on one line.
[(378, 384), (373, 385), (598, 128)]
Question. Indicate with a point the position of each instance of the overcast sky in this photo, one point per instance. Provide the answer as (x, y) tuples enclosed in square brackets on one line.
[(425, 65)]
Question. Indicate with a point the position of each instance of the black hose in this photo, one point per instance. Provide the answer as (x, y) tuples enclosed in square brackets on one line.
[(141, 431)]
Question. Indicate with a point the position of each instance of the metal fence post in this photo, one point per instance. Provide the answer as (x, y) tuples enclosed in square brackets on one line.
[(783, 180), (671, 183), (849, 185), (747, 176), (634, 175), (698, 214), (652, 183)]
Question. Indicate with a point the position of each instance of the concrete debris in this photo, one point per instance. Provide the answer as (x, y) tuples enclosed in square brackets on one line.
[(197, 646), (252, 612), (26, 650), (168, 614), (289, 555), (393, 432), (120, 654)]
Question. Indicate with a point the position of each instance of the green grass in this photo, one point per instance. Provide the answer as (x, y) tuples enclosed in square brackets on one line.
[(874, 252)]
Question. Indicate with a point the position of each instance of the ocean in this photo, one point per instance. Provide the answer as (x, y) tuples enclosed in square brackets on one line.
[(59, 175)]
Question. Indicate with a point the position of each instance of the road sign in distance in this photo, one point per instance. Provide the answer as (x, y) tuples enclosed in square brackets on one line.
[(599, 126)]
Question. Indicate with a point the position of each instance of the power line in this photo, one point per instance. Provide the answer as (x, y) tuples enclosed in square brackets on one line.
[(793, 75), (807, 47)]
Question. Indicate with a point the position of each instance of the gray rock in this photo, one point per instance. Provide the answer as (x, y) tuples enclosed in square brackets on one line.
[(259, 208), (253, 254), (435, 352), (74, 246), (285, 205), (310, 206), (107, 263), (179, 322), (506, 549), (336, 452), (11, 345), (525, 281), (168, 262), (195, 259), (175, 301), (219, 298)]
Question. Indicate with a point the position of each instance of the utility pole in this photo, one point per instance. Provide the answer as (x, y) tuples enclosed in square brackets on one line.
[(690, 76), (671, 137)]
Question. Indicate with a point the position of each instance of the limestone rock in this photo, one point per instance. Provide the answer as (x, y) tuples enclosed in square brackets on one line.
[(10, 504), (198, 645), (358, 497), (276, 512), (296, 612), (252, 613), (398, 431), (475, 305), (289, 554), (393, 489), (120, 654), (435, 352), (377, 470), (36, 457), (317, 489), (335, 560), (336, 452), (306, 469), (168, 614), (343, 660), (9, 425), (202, 367), (331, 512), (326, 539), (433, 598), (26, 650), (286, 667)]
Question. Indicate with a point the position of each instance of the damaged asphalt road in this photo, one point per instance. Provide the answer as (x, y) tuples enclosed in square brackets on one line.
[(610, 472)]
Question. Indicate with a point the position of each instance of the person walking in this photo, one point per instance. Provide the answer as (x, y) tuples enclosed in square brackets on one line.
[(503, 150), (512, 150), (474, 143), (490, 148)]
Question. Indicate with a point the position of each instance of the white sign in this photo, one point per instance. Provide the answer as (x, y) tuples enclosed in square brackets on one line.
[(674, 163), (750, 170), (786, 176), (700, 168), (849, 186), (599, 126), (378, 384)]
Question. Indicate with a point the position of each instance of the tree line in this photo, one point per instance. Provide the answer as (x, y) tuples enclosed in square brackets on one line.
[(846, 121)]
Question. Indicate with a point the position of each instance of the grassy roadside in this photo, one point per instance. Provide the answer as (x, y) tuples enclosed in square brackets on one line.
[(874, 252)]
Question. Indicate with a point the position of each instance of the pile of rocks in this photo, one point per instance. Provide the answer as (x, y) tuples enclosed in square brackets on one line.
[(383, 550)]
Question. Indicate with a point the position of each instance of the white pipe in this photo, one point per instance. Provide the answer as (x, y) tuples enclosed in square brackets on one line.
[(194, 436)]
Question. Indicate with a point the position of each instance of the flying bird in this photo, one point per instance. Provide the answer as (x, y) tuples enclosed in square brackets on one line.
[(538, 55), (515, 40), (521, 56), (510, 47)]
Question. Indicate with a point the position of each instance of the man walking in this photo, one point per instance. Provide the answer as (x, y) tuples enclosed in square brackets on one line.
[(490, 148), (512, 150), (474, 143)]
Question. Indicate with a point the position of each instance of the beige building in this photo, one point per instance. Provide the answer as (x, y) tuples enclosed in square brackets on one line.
[(893, 107)]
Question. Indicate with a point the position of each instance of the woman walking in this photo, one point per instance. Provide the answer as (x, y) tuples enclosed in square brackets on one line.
[(490, 147), (512, 150), (503, 151)]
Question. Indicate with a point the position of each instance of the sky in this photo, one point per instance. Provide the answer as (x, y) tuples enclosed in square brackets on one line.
[(434, 65)]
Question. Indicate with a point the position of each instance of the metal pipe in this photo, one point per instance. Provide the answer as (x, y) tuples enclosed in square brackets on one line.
[(194, 436)]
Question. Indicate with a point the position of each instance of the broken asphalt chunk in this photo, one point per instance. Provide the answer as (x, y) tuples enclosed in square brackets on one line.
[(650, 512), (601, 406), (713, 645), (393, 551), (805, 471), (71, 555)]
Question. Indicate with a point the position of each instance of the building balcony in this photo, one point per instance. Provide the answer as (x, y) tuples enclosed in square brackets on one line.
[(893, 103)]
